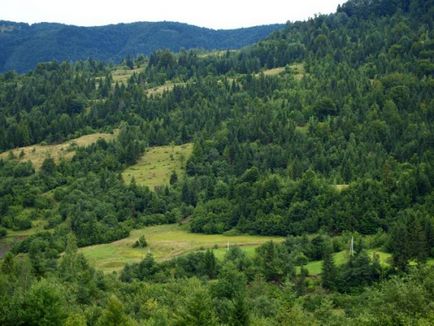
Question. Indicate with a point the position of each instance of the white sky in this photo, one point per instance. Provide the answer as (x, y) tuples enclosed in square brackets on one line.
[(213, 14)]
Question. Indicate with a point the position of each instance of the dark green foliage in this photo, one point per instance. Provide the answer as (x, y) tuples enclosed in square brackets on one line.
[(337, 145), (173, 178), (229, 296), (43, 305), (197, 309), (113, 42), (114, 314), (301, 282), (411, 239), (328, 276), (140, 243), (273, 262)]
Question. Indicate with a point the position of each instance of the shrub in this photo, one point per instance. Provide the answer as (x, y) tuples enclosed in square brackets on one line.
[(3, 232), (140, 243)]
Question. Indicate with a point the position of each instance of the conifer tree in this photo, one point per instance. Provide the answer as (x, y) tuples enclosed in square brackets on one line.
[(328, 271)]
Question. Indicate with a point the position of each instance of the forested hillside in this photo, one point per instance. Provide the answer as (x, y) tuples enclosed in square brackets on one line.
[(321, 133), (23, 46)]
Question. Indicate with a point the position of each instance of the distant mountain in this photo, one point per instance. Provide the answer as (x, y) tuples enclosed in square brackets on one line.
[(22, 46)]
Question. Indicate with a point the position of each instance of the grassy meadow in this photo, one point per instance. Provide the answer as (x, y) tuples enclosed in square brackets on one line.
[(158, 90), (273, 71), (157, 164), (340, 258), (165, 242), (38, 153), (15, 236), (298, 70), (122, 73)]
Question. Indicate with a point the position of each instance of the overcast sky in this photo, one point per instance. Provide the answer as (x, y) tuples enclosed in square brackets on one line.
[(213, 14)]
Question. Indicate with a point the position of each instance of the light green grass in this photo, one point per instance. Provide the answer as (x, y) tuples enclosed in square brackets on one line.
[(122, 73), (158, 90), (37, 226), (156, 166), (13, 236), (340, 258), (302, 129), (341, 187), (164, 242), (38, 153), (273, 71), (216, 54), (249, 250), (298, 71)]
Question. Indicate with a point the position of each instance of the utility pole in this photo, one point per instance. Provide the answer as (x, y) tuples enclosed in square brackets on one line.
[(352, 246)]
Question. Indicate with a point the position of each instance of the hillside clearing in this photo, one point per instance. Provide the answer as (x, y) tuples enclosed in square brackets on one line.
[(123, 73), (340, 258), (164, 242), (273, 71), (341, 187), (38, 153), (158, 90), (157, 164), (298, 71), (13, 236)]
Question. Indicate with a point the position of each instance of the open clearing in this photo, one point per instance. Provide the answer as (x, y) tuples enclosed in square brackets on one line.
[(340, 258), (164, 242), (38, 153), (273, 71), (157, 164), (341, 187), (158, 90), (13, 236), (298, 71), (123, 73)]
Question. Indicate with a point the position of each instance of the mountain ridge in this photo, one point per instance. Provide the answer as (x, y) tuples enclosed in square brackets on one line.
[(23, 46)]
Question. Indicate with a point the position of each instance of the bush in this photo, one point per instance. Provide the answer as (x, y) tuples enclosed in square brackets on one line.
[(3, 232), (140, 243), (22, 223)]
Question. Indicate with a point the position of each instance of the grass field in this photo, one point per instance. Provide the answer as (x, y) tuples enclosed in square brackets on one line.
[(13, 236), (298, 71), (168, 86), (164, 242), (340, 258), (38, 153), (341, 187), (273, 71), (157, 164), (123, 73), (249, 250)]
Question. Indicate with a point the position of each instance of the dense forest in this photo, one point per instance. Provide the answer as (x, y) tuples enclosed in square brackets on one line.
[(320, 133), (23, 46)]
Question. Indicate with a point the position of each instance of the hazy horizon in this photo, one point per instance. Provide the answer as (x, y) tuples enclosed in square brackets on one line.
[(224, 14)]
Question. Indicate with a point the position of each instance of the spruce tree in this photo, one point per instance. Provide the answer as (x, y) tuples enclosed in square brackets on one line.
[(328, 271)]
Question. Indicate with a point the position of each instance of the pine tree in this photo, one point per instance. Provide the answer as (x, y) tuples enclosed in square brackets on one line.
[(210, 263), (300, 284), (400, 246), (328, 271), (173, 178)]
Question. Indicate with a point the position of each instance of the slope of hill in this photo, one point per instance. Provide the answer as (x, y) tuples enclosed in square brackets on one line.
[(22, 46), (321, 133), (38, 153)]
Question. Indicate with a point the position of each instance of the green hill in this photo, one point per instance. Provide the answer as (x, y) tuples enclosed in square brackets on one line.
[(23, 46)]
